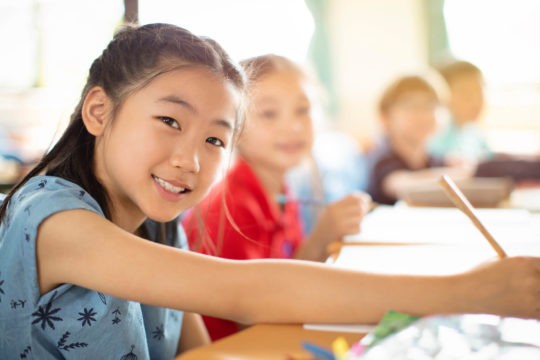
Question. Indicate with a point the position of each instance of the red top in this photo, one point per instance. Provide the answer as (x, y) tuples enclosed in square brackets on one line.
[(255, 229)]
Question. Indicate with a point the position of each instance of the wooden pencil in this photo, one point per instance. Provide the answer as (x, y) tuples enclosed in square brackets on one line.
[(462, 203)]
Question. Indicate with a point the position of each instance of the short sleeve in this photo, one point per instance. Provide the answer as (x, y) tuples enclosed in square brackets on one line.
[(37, 200), (70, 321)]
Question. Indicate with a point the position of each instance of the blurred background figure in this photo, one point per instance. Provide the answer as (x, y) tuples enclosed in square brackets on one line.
[(461, 139), (401, 159), (250, 213)]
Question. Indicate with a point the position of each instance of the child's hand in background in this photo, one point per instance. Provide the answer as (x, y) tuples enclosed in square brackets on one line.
[(343, 217), (337, 219)]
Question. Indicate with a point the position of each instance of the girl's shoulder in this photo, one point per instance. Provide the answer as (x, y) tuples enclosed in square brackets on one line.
[(53, 192), (41, 197)]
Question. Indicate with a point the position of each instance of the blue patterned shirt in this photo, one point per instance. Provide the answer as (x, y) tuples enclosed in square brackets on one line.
[(69, 321)]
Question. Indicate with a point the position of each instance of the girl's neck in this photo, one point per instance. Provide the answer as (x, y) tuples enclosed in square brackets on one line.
[(271, 179), (129, 221), (415, 155)]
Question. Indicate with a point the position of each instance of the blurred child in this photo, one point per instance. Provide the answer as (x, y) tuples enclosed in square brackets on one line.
[(335, 168), (401, 159), (461, 139), (263, 220)]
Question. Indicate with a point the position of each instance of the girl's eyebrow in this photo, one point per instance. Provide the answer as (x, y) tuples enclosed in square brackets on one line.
[(176, 100), (179, 101), (223, 123)]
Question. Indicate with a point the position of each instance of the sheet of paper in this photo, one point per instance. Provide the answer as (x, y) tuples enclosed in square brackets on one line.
[(349, 328), (446, 226), (526, 198), (424, 260)]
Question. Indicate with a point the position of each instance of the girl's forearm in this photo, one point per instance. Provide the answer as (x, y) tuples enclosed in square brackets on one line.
[(283, 291)]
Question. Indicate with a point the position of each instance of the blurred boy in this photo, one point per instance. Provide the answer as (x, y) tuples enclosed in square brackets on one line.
[(401, 159)]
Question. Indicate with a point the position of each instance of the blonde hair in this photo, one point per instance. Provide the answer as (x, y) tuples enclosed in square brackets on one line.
[(402, 87), (456, 69), (259, 66)]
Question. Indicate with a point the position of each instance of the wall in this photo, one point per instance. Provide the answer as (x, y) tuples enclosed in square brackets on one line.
[(373, 41)]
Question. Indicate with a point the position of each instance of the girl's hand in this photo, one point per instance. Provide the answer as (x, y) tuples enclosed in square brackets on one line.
[(342, 217), (508, 287), (338, 219)]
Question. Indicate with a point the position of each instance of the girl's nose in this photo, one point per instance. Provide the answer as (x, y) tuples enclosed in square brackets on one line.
[(296, 124), (186, 158)]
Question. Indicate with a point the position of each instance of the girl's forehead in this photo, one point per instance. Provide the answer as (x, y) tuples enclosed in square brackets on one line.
[(419, 95), (280, 84), (195, 87), (192, 79), (279, 75)]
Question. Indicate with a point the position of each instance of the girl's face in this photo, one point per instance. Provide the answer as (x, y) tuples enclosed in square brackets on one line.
[(161, 152), (412, 118), (278, 132)]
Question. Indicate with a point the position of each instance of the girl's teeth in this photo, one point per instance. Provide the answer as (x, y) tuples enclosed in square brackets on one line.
[(168, 186)]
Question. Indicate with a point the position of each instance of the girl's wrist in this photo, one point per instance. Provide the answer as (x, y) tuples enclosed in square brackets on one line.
[(465, 293)]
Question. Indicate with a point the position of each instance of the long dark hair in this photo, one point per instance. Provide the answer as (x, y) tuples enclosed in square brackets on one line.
[(134, 57)]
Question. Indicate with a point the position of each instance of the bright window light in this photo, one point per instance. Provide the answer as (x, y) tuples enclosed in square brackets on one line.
[(500, 36), (245, 28)]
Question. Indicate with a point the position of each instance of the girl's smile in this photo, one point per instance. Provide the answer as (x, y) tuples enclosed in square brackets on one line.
[(170, 191), (292, 147)]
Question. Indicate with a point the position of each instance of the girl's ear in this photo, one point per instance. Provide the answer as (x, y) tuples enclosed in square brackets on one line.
[(96, 111)]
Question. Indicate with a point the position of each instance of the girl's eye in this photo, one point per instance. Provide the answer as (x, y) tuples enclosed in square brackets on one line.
[(215, 141), (170, 122), (303, 110), (269, 114)]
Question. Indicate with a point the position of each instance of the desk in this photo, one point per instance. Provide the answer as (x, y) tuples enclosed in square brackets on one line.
[(267, 342), (457, 254)]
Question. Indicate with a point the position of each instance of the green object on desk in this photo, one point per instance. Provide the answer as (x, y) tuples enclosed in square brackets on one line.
[(391, 322)]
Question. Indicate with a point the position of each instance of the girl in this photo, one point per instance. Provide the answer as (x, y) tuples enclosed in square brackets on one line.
[(401, 160), (84, 237), (264, 221)]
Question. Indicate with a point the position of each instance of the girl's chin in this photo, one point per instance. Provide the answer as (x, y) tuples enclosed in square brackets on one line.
[(162, 218), (165, 216), (293, 162)]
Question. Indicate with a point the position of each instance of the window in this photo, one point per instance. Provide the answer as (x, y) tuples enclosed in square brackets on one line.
[(52, 43), (244, 28), (500, 36)]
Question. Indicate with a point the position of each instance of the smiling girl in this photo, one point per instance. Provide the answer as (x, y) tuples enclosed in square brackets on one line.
[(86, 266)]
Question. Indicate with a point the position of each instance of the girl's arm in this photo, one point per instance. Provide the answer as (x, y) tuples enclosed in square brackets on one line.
[(194, 333), (80, 247)]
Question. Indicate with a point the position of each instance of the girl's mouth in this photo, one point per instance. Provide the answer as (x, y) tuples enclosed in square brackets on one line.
[(170, 187), (291, 147)]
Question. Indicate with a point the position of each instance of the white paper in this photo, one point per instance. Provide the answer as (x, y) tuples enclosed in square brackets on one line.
[(349, 328), (446, 226)]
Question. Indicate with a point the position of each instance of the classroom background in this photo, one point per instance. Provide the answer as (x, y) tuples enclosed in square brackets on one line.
[(355, 48)]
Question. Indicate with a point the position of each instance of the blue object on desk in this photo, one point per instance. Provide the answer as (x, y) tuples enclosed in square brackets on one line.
[(318, 352)]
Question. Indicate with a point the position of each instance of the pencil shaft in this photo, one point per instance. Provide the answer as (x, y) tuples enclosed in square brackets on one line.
[(465, 206)]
